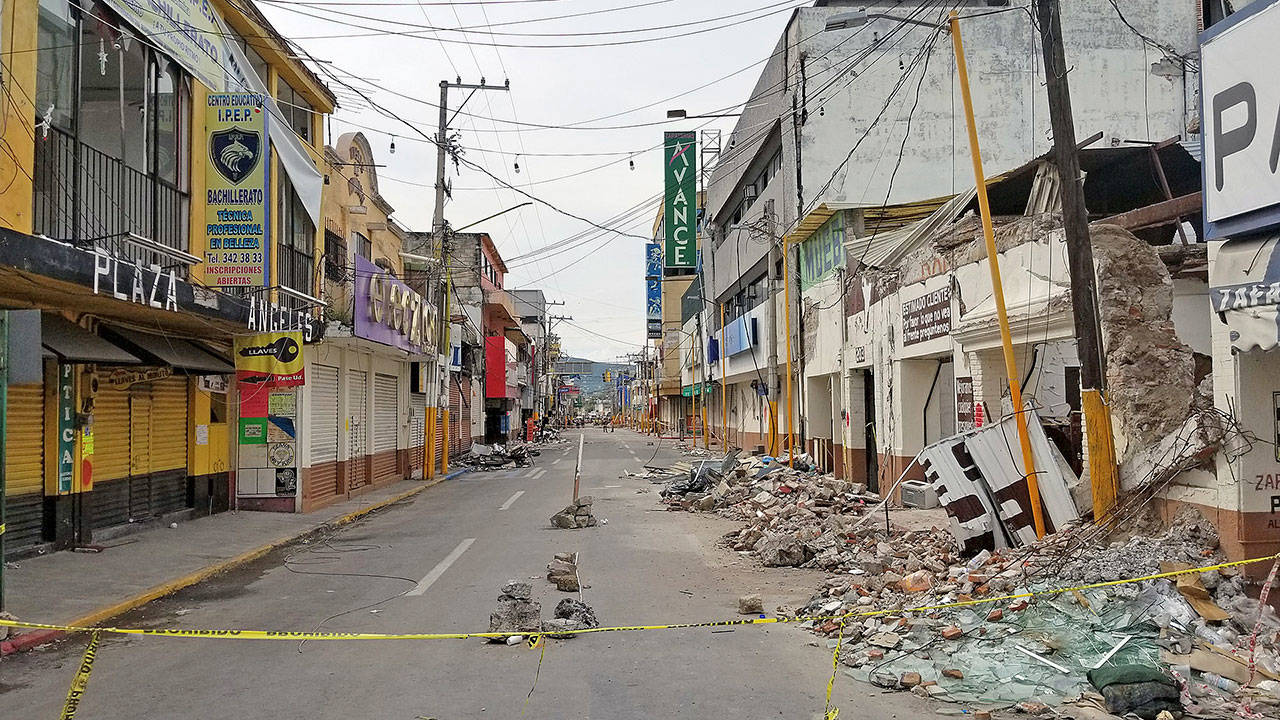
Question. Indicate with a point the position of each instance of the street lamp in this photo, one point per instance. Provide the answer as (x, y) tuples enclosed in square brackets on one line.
[(680, 114)]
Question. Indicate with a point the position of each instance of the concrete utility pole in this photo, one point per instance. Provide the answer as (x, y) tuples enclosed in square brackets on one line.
[(438, 226), (1084, 299), (774, 384), (545, 360)]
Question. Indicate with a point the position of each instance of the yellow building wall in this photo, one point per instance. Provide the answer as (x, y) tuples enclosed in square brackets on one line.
[(18, 19)]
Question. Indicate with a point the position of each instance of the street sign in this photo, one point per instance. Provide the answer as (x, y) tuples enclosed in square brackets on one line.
[(680, 216)]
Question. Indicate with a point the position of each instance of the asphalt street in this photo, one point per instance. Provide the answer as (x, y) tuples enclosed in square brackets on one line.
[(436, 563)]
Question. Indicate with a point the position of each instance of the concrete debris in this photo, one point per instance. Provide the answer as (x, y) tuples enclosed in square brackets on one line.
[(516, 612), (1149, 370), (570, 615), (750, 604), (563, 572), (575, 515), (497, 457)]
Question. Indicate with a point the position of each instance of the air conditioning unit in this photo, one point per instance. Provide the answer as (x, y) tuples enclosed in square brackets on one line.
[(918, 494)]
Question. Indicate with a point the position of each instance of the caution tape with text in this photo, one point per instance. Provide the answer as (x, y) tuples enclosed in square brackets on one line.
[(762, 620)]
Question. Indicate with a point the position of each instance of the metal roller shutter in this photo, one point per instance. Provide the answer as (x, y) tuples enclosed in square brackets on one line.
[(24, 465), (322, 479), (139, 451), (357, 399), (110, 496), (386, 418), (169, 424), (24, 440), (110, 435), (418, 430)]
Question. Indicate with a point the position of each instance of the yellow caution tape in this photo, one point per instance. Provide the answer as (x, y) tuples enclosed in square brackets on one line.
[(80, 682), (318, 636)]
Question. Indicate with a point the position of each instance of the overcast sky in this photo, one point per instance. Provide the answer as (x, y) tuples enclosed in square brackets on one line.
[(600, 281)]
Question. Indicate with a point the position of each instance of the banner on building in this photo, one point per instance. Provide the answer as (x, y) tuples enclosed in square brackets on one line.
[(194, 34), (680, 203), (653, 306), (236, 181), (822, 252), (270, 359)]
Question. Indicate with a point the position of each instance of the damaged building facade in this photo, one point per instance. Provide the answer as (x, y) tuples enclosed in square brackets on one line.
[(846, 304)]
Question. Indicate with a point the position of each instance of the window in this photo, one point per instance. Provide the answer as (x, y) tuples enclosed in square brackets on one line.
[(335, 257), (113, 158), (296, 238), (364, 246), (296, 110)]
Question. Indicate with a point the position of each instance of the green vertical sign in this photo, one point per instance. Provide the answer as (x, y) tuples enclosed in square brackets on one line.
[(679, 209), (66, 427)]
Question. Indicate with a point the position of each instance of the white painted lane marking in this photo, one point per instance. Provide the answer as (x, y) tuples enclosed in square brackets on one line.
[(538, 473), (556, 461), (511, 499), (440, 567)]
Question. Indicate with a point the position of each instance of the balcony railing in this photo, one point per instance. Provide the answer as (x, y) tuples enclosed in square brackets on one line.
[(296, 272), (87, 197)]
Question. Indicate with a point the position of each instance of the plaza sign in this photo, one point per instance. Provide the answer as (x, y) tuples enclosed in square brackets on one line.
[(679, 209)]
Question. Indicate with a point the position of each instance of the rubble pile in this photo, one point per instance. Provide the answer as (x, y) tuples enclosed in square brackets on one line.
[(498, 457), (576, 514), (562, 571), (1038, 651), (1196, 629), (516, 612), (570, 615)]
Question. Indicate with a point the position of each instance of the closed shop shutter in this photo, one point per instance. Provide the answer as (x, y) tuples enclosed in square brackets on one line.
[(139, 451), (24, 465), (439, 436), (110, 494), (357, 399), (455, 416), (24, 440), (322, 479), (464, 401), (169, 402), (110, 435), (417, 430), (386, 419), (169, 424)]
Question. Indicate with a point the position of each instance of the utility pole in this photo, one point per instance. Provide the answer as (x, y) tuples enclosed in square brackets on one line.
[(1084, 300), (441, 286), (997, 288), (774, 385), (545, 360)]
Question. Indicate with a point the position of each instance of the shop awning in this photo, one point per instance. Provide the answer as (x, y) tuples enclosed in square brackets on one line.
[(1244, 287), (175, 352), (72, 343)]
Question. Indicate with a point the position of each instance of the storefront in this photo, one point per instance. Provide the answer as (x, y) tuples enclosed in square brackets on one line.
[(1242, 219), (362, 415)]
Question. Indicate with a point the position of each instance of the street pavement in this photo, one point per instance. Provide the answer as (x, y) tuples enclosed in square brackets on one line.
[(435, 563)]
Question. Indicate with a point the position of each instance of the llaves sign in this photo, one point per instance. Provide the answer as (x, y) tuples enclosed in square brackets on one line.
[(679, 209)]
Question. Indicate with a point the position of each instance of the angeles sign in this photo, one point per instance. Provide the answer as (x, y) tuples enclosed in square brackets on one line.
[(679, 210)]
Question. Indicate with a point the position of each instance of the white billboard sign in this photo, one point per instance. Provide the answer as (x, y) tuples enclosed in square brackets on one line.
[(1240, 110)]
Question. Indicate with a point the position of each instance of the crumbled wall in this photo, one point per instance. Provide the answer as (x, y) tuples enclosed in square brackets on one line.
[(1149, 370)]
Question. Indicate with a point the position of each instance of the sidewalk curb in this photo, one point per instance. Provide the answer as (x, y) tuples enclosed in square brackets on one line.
[(26, 641)]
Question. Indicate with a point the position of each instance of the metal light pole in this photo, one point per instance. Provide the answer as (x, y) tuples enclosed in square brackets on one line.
[(847, 20)]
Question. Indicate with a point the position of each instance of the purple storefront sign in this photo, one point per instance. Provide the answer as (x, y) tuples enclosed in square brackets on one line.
[(389, 312)]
